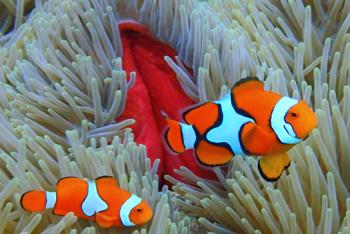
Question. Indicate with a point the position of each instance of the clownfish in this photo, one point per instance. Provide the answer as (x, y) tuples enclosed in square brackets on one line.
[(246, 121), (99, 200)]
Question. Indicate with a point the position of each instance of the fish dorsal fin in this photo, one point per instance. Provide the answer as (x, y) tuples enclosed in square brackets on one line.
[(68, 180), (247, 84), (107, 180), (104, 220), (202, 116)]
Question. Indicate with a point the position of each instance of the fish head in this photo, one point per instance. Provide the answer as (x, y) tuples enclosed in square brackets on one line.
[(141, 213), (302, 118)]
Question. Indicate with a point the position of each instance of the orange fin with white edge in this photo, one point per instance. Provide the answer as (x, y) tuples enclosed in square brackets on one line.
[(104, 220), (212, 155), (272, 166), (174, 137), (247, 84), (34, 201), (255, 139), (202, 117)]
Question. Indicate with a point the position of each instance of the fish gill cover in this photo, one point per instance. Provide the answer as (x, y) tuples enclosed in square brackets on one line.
[(63, 84)]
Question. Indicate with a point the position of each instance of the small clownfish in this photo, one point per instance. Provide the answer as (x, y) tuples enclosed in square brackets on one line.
[(100, 200), (246, 121)]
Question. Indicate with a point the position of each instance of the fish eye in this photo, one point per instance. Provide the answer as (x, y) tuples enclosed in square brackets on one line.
[(294, 114), (138, 209)]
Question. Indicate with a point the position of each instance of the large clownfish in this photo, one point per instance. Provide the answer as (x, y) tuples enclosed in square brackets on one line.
[(100, 200), (246, 121)]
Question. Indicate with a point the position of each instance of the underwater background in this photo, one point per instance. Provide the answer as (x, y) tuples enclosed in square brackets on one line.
[(83, 84)]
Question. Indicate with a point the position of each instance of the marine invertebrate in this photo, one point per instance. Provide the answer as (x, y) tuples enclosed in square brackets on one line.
[(12, 15), (122, 159), (283, 37), (62, 86), (156, 90)]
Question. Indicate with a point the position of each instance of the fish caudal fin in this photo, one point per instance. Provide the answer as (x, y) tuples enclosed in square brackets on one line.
[(34, 201), (179, 137), (271, 167)]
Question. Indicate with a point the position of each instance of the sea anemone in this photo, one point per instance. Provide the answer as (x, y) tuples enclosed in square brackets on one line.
[(304, 57), (63, 96), (12, 15), (59, 101)]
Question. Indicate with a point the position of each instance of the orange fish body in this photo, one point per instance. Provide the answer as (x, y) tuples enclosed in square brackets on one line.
[(246, 121), (100, 200)]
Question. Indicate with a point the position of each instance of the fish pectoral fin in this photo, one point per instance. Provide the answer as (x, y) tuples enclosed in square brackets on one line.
[(104, 220), (272, 166), (255, 139)]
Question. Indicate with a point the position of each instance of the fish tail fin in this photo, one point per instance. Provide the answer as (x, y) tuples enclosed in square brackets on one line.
[(38, 200), (173, 136), (179, 137)]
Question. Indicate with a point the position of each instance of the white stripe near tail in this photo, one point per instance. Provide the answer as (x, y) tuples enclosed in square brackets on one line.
[(50, 200)]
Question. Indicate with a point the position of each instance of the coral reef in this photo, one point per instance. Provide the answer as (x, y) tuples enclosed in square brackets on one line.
[(63, 84)]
